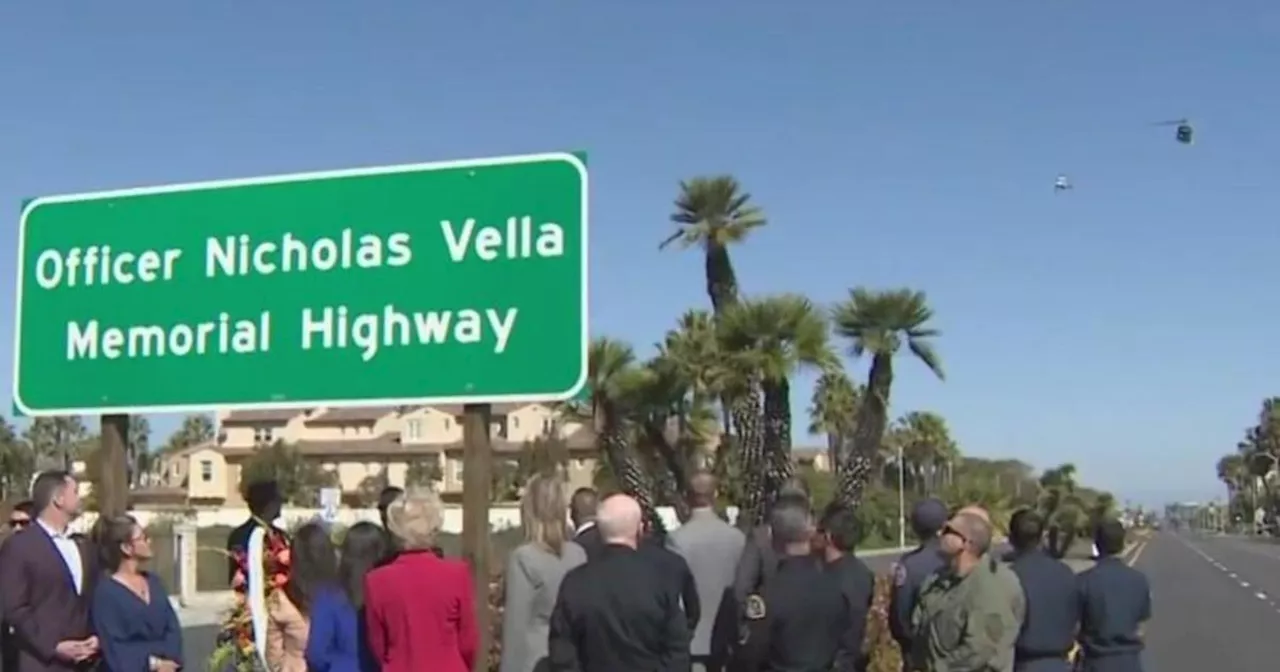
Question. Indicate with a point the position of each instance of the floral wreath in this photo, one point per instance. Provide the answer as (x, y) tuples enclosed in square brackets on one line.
[(236, 649)]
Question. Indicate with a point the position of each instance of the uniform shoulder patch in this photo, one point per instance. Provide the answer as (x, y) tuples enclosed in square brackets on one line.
[(899, 574), (755, 608)]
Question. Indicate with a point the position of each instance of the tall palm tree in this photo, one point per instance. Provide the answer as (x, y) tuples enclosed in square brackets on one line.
[(774, 337), (833, 411), (878, 324), (612, 375), (714, 213), (927, 448)]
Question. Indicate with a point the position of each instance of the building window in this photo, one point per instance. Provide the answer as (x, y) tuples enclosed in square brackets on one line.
[(262, 435), (547, 424), (448, 424), (515, 422), (456, 467), (415, 429), (206, 471)]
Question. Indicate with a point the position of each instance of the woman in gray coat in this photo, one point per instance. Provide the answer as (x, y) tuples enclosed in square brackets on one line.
[(534, 571)]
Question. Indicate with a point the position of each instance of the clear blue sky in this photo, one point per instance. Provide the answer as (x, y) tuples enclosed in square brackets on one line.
[(1127, 326)]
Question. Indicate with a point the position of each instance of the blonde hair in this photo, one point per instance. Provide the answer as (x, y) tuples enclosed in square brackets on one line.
[(415, 518), (542, 513)]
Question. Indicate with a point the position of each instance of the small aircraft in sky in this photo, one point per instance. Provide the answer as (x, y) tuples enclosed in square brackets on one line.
[(1062, 183), (1183, 132)]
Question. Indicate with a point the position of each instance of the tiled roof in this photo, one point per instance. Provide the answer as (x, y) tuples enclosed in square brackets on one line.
[(267, 415), (389, 444), (496, 409), (353, 414), (377, 445)]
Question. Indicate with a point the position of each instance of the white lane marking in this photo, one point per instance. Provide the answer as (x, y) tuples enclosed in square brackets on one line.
[(1230, 574)]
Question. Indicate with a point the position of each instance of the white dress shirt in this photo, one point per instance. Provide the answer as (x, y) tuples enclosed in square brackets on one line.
[(70, 552)]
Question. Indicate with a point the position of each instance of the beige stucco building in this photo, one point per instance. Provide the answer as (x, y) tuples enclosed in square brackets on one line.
[(355, 443)]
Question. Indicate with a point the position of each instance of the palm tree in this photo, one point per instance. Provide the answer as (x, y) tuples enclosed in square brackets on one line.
[(714, 213), (927, 447), (56, 439), (194, 430), (774, 337), (1060, 507), (17, 463), (833, 411), (138, 449), (612, 375), (879, 323)]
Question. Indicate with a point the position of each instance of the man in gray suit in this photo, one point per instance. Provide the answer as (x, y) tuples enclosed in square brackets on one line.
[(712, 548)]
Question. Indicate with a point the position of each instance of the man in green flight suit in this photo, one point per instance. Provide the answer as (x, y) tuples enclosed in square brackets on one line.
[(965, 620)]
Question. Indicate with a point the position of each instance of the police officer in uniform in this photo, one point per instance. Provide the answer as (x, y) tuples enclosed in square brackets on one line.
[(927, 519), (1116, 601), (965, 621), (1052, 606)]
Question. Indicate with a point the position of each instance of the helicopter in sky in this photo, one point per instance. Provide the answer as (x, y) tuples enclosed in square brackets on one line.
[(1183, 132)]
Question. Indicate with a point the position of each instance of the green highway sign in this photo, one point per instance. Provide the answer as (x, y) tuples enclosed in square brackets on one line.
[(452, 282)]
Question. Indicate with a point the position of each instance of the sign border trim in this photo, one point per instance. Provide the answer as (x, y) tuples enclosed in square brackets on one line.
[(30, 205)]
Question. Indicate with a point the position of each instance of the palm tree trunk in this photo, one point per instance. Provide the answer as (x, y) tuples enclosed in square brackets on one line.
[(722, 282), (632, 479), (869, 432), (746, 420), (677, 486), (777, 436)]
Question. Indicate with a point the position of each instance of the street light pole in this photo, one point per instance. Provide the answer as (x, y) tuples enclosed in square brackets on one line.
[(902, 501)]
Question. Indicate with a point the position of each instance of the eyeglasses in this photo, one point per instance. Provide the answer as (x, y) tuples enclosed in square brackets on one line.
[(18, 523), (953, 531)]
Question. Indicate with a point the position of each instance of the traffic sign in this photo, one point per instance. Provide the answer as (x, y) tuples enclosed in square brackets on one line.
[(452, 282)]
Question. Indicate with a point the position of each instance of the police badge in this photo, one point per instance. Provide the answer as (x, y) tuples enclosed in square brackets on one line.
[(899, 574), (754, 608)]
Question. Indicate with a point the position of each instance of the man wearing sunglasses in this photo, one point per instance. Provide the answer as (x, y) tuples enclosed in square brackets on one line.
[(20, 516), (19, 519), (965, 621)]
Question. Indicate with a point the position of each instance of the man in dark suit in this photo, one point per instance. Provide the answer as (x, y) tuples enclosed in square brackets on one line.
[(857, 582), (582, 511), (19, 518), (620, 611), (47, 583), (265, 501)]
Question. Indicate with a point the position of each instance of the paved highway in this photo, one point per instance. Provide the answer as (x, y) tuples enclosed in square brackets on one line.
[(1214, 603)]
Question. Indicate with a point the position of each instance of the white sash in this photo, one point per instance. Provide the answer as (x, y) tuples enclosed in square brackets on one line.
[(256, 593)]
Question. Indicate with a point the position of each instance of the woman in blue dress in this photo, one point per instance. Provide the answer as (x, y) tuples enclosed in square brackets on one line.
[(135, 623), (337, 642)]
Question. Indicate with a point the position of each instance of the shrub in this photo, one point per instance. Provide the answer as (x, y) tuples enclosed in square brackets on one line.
[(879, 644)]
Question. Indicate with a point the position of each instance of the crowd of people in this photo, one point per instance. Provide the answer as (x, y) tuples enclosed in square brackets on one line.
[(606, 593)]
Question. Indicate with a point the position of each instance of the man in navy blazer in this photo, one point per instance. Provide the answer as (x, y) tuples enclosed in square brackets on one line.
[(47, 583)]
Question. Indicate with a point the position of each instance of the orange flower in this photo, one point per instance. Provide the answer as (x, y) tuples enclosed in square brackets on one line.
[(282, 556), (278, 580), (238, 581)]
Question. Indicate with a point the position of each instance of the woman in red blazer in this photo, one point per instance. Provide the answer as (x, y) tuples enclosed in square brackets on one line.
[(419, 608)]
